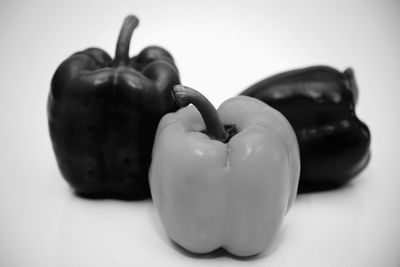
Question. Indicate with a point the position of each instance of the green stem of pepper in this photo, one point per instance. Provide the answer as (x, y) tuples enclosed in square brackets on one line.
[(184, 96), (124, 40)]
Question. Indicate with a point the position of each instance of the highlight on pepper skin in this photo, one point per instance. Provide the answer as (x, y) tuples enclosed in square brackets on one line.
[(223, 178), (103, 114), (320, 102)]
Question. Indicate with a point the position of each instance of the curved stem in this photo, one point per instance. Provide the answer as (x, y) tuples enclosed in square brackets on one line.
[(124, 40), (184, 96)]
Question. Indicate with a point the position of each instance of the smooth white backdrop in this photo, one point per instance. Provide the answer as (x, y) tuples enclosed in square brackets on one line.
[(220, 49)]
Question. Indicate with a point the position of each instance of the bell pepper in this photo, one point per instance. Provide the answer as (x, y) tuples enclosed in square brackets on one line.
[(319, 102), (223, 178), (103, 114)]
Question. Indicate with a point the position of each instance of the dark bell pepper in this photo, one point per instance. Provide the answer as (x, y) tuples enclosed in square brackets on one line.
[(319, 102), (103, 114)]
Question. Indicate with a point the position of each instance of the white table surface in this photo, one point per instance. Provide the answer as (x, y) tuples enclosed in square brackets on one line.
[(220, 48)]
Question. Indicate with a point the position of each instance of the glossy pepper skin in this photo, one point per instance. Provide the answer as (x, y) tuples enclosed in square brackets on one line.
[(230, 192), (103, 114), (319, 102)]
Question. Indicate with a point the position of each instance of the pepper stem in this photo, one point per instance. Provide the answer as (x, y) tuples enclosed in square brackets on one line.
[(184, 96), (124, 40), (351, 83)]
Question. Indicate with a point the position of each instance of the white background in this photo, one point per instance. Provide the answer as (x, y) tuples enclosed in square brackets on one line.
[(220, 49)]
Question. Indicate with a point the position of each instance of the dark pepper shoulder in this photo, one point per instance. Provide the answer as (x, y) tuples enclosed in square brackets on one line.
[(88, 61), (319, 83)]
